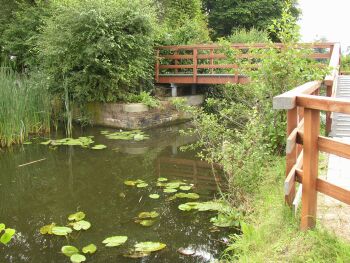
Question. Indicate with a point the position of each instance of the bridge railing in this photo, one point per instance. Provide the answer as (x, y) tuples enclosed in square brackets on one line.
[(304, 142), (208, 64)]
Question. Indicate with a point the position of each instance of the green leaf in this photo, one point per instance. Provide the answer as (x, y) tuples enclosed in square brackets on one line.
[(99, 147), (142, 185), (144, 215), (169, 190), (47, 229), (206, 206), (61, 230), (154, 196), (77, 258), (7, 236), (146, 222), (130, 183), (2, 227), (82, 224), (149, 246), (223, 220), (89, 249), (162, 179), (173, 185), (136, 254), (77, 216), (69, 250), (185, 187), (187, 195), (115, 241)]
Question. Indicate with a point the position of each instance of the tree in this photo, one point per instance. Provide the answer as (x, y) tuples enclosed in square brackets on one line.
[(226, 15)]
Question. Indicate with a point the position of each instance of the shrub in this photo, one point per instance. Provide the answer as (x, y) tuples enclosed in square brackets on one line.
[(248, 36), (100, 49)]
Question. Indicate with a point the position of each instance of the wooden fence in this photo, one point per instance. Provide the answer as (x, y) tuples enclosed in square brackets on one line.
[(304, 142), (207, 64)]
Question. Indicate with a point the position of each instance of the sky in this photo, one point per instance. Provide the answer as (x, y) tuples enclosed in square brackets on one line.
[(325, 18)]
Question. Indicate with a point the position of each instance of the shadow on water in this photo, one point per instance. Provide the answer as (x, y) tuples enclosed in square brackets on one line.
[(76, 179)]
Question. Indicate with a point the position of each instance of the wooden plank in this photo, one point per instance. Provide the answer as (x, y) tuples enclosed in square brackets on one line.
[(157, 66), (297, 199), (310, 168), (334, 191), (195, 62), (178, 57), (207, 66), (324, 103), (334, 64), (334, 146), (175, 66), (289, 183), (287, 100)]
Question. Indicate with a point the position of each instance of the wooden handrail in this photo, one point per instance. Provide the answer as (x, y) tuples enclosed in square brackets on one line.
[(303, 133)]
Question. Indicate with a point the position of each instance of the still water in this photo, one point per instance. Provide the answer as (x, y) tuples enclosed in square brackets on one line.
[(72, 179)]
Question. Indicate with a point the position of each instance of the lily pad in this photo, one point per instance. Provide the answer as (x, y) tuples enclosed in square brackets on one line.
[(154, 196), (185, 187), (187, 195), (162, 179), (206, 206), (144, 215), (99, 147), (2, 227), (82, 224), (115, 241), (7, 235), (149, 246), (146, 222), (47, 229), (61, 230), (225, 220), (142, 185), (91, 249), (169, 190), (77, 216), (172, 185), (77, 258), (130, 183), (69, 250), (186, 251)]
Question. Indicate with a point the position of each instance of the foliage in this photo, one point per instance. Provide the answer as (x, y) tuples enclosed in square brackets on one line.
[(145, 98), (248, 36), (102, 50), (345, 63), (6, 234), (227, 15), (25, 106), (183, 22), (20, 36)]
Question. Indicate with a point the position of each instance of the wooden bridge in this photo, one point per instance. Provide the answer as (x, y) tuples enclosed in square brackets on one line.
[(208, 64), (304, 142)]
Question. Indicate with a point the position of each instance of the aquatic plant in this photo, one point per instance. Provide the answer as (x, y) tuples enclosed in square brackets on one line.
[(6, 234), (135, 135), (25, 106)]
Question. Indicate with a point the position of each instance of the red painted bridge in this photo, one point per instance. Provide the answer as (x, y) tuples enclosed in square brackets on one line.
[(207, 64)]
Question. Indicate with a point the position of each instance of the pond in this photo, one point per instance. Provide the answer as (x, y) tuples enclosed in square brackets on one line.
[(72, 178)]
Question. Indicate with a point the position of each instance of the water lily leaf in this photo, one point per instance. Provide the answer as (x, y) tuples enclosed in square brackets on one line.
[(185, 187), (7, 235), (77, 258), (146, 222), (99, 147), (82, 224), (115, 241), (144, 215), (2, 227), (162, 179), (225, 220), (130, 183), (139, 137), (77, 216), (136, 254), (142, 185), (149, 246), (61, 230), (160, 184), (154, 196), (186, 251), (206, 206), (91, 249), (173, 185), (187, 195), (169, 190), (69, 250), (47, 229)]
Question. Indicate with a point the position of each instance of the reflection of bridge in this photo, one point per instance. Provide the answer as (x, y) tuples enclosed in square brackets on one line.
[(207, 64), (197, 172)]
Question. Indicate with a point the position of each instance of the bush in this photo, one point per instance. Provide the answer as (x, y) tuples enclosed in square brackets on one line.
[(100, 49), (248, 36)]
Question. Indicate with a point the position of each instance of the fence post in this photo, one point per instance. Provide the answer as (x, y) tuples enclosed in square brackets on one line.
[(195, 52), (291, 158), (157, 66), (328, 114), (310, 168)]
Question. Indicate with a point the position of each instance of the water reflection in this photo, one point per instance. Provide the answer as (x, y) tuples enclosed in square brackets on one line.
[(73, 178)]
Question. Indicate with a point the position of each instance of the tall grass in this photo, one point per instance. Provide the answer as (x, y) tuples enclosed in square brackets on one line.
[(24, 106)]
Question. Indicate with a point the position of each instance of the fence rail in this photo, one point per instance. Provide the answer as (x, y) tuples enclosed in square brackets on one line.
[(207, 64), (304, 142)]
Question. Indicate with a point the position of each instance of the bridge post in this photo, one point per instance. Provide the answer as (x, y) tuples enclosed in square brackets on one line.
[(173, 89), (193, 89)]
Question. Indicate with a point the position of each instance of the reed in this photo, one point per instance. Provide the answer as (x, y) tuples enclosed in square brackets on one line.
[(24, 106)]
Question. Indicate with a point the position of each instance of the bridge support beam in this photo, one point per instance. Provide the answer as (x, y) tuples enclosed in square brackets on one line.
[(173, 89), (193, 89)]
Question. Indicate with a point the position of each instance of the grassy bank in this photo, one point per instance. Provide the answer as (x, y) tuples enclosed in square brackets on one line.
[(271, 232), (24, 107)]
